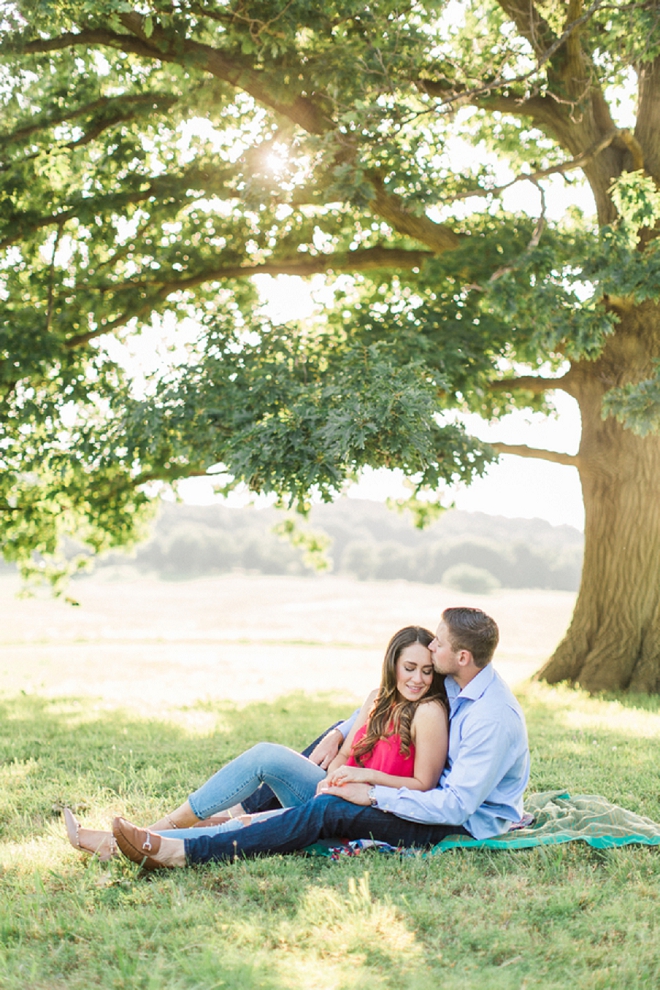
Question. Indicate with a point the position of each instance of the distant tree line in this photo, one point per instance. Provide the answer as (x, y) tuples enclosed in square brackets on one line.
[(469, 550)]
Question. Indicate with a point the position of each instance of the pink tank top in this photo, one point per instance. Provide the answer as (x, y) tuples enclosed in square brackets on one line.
[(385, 756)]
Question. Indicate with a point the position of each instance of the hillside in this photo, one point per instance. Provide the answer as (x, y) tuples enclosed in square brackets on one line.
[(368, 541)]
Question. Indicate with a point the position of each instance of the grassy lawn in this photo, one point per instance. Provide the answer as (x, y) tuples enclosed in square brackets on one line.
[(548, 918)]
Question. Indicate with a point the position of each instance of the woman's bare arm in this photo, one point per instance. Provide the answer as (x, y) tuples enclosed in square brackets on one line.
[(430, 734), (345, 749)]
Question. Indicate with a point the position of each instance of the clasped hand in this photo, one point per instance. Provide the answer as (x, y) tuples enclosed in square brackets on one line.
[(347, 775), (341, 778)]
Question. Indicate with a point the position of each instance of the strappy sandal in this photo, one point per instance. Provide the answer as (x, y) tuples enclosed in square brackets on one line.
[(73, 831)]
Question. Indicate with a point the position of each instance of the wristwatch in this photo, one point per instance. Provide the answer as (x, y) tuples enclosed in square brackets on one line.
[(371, 794)]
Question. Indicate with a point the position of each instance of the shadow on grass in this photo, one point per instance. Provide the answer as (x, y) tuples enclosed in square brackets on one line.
[(636, 702), (64, 752)]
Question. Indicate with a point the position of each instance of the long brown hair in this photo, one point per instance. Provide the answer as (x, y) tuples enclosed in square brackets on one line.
[(390, 714)]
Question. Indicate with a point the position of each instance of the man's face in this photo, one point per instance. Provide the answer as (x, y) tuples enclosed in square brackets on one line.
[(445, 658)]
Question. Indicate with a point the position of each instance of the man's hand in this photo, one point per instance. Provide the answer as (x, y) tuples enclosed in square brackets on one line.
[(327, 749), (355, 793)]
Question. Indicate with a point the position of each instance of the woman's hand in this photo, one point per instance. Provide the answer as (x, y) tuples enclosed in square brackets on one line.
[(340, 778), (347, 775), (355, 793)]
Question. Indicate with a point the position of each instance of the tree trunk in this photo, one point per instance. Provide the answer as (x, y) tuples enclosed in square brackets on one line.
[(613, 641)]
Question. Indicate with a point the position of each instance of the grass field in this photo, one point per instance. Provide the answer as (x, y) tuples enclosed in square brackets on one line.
[(547, 918)]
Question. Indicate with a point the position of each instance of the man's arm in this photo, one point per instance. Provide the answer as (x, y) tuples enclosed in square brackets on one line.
[(326, 750)]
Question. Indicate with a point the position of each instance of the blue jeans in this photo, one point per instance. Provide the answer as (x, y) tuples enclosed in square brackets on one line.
[(323, 817), (210, 830), (263, 798), (292, 777)]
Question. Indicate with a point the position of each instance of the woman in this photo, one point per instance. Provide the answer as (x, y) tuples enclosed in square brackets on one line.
[(399, 739)]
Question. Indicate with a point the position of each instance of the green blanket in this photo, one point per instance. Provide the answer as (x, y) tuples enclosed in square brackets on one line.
[(561, 818), (557, 818)]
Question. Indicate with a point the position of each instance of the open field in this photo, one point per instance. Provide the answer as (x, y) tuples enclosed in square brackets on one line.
[(125, 703), (241, 638)]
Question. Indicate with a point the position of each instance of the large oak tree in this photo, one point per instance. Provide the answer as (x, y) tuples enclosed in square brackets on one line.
[(155, 157)]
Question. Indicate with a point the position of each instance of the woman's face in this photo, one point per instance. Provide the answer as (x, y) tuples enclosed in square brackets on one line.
[(414, 672)]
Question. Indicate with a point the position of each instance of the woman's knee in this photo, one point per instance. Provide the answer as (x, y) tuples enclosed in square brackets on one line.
[(266, 755)]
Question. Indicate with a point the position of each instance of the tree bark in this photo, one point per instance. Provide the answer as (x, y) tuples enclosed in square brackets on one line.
[(613, 641)]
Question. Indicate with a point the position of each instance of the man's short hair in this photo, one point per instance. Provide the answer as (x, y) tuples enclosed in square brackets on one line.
[(471, 629)]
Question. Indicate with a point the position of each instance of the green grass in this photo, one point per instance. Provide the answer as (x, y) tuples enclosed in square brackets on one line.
[(555, 917)]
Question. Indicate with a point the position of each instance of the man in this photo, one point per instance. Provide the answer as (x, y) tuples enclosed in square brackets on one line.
[(479, 793)]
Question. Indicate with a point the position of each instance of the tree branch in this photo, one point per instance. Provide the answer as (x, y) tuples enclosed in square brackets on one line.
[(438, 237), (101, 125), (366, 259), (546, 112), (533, 243), (533, 383), (501, 82), (531, 24), (168, 185), (647, 129), (174, 473), (51, 279), (239, 73), (578, 162), (105, 103), (521, 450), (159, 47), (635, 149), (361, 260)]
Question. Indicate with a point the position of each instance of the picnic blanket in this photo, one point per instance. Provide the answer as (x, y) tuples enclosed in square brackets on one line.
[(558, 818)]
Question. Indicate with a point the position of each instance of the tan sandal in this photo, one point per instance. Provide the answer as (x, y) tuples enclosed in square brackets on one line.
[(91, 841)]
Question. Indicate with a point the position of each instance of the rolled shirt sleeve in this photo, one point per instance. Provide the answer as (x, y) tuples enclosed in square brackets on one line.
[(345, 727)]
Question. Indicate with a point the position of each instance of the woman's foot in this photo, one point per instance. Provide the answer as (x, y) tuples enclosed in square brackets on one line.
[(220, 819), (181, 817), (90, 840), (149, 850)]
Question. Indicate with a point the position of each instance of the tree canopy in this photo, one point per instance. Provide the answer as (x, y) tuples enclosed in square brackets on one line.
[(155, 157)]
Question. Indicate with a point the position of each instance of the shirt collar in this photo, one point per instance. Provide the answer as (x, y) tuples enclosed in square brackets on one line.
[(477, 686)]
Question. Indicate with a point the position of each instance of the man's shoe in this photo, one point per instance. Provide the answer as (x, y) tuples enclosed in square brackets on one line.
[(138, 844)]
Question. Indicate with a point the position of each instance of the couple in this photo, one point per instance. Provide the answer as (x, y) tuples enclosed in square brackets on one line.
[(383, 782)]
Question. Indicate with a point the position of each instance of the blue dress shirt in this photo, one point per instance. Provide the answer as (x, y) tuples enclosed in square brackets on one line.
[(487, 767), (345, 727)]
